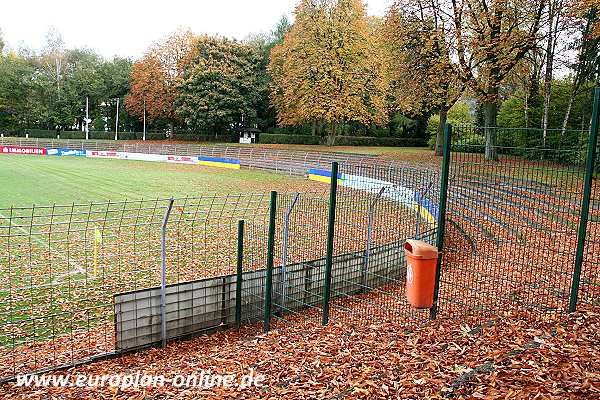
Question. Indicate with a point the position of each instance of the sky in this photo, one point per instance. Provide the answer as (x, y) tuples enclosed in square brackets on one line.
[(126, 28)]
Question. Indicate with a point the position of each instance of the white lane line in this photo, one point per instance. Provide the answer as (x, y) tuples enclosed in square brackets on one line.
[(78, 268)]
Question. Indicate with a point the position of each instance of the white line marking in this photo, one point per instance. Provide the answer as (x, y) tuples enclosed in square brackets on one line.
[(78, 268)]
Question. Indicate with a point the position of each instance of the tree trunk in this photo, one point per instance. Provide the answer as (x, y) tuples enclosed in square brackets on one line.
[(332, 134), (548, 72), (526, 110), (439, 139), (567, 113), (491, 114)]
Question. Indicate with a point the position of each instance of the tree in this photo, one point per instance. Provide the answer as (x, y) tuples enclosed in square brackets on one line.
[(116, 83), (81, 79), (16, 92), (586, 66), (491, 37), (53, 55), (555, 20), (155, 79), (220, 88), (329, 68), (416, 45), (263, 44), (584, 7)]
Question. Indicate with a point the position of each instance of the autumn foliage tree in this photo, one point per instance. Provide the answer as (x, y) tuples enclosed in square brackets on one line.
[(585, 8), (155, 79), (419, 66), (490, 38), (220, 87), (329, 68)]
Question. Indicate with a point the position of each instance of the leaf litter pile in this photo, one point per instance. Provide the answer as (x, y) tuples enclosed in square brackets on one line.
[(517, 355), (514, 355)]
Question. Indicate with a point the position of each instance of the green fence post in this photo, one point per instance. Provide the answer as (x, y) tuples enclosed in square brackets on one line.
[(330, 236), (270, 255), (441, 222), (239, 276), (585, 202)]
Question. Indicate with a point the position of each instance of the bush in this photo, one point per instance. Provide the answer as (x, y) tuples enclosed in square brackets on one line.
[(72, 135), (41, 133), (203, 137), (288, 139), (343, 140), (460, 114), (379, 141), (471, 143), (153, 136)]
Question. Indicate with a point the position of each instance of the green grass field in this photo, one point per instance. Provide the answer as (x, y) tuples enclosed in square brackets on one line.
[(28, 180), (53, 267)]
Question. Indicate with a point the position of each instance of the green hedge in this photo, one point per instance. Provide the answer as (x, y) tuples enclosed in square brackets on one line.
[(380, 141), (275, 138), (103, 135), (343, 140), (70, 135), (202, 137)]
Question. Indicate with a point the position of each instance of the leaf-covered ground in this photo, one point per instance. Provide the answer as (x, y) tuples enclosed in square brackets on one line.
[(514, 356)]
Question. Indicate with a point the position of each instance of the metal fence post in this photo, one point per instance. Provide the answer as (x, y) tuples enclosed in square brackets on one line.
[(330, 236), (365, 266), (163, 274), (441, 223), (239, 276), (284, 254), (270, 256), (585, 202)]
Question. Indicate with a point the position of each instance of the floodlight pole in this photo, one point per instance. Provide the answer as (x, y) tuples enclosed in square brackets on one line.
[(87, 118), (117, 122), (144, 137)]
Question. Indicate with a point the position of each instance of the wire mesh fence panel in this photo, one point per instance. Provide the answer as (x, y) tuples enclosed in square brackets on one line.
[(255, 254), (511, 226), (378, 208), (202, 238), (300, 244), (60, 267)]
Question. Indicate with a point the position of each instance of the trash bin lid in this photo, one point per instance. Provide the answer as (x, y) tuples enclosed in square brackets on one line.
[(421, 249)]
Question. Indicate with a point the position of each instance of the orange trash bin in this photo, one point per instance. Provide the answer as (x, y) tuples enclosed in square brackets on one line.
[(421, 261)]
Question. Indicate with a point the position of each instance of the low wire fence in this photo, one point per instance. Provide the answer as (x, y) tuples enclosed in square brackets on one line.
[(292, 162), (83, 281)]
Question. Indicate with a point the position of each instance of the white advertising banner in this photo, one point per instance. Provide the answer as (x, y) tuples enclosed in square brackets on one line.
[(143, 157), (182, 159), (103, 154)]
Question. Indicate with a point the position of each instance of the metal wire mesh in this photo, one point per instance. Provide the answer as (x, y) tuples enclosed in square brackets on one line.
[(511, 226), (590, 278), (378, 208), (62, 265), (511, 230)]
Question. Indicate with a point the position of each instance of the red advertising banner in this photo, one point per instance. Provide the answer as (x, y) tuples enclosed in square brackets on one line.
[(23, 150)]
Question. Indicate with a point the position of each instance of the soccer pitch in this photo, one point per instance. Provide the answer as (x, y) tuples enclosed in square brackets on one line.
[(28, 180), (69, 241)]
